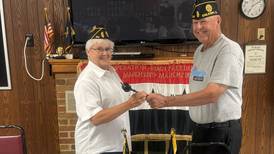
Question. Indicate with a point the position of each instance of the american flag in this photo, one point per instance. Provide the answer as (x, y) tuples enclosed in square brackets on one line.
[(48, 36)]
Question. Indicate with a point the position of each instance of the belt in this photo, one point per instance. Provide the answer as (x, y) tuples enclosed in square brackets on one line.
[(219, 124), (117, 152), (112, 153)]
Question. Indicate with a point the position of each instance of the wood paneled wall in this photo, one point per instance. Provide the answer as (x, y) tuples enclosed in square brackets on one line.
[(257, 118), (32, 104)]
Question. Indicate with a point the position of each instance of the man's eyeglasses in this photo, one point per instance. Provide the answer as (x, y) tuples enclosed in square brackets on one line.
[(103, 49)]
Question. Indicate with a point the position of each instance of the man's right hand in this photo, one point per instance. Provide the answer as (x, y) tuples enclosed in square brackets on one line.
[(156, 100)]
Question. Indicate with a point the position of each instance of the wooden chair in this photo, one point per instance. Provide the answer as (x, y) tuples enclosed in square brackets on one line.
[(207, 148), (12, 144)]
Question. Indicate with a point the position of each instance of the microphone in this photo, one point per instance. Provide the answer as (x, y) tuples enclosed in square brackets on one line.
[(126, 87)]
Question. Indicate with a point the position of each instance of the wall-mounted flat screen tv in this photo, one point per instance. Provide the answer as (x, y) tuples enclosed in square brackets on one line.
[(134, 21)]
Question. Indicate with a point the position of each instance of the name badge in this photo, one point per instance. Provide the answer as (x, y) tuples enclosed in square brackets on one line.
[(198, 75)]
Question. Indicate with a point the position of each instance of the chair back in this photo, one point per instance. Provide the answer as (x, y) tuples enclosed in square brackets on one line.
[(12, 144), (207, 148)]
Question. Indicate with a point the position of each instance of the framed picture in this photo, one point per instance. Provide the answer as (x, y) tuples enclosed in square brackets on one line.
[(5, 83), (255, 59)]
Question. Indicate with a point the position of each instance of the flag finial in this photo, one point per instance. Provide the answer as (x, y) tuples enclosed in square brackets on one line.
[(125, 145), (173, 142)]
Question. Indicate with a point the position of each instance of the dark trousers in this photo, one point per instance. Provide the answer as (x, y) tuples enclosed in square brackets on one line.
[(229, 132)]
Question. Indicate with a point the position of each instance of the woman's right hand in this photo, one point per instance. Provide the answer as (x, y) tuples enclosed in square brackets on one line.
[(137, 99)]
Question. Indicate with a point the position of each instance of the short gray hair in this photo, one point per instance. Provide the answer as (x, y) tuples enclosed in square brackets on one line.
[(92, 42)]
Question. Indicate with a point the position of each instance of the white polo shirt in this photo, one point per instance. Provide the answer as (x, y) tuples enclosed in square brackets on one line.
[(96, 89)]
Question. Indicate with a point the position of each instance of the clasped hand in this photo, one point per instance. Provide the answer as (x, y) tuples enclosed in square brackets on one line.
[(156, 100)]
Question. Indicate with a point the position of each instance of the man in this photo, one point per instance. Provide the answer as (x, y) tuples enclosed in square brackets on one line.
[(216, 79), (101, 104)]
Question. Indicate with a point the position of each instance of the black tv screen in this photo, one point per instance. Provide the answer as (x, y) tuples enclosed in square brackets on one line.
[(137, 21)]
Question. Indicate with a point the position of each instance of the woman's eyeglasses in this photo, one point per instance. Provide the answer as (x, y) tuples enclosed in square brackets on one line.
[(103, 49)]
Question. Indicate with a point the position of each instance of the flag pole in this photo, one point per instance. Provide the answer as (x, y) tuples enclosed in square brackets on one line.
[(46, 14), (173, 142), (46, 39), (69, 33), (125, 145), (68, 12), (48, 35)]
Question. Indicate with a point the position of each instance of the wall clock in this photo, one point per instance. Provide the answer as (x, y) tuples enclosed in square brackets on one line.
[(252, 8)]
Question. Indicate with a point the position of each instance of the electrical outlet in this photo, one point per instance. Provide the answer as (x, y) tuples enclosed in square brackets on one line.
[(30, 42), (261, 34)]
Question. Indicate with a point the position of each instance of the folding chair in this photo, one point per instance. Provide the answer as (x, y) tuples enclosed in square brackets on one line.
[(12, 144), (207, 148)]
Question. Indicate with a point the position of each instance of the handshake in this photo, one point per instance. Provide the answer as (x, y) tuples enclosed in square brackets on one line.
[(139, 97)]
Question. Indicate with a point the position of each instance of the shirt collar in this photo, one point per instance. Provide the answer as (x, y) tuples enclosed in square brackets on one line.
[(97, 70)]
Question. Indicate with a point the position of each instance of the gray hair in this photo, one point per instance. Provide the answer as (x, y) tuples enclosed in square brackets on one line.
[(91, 42)]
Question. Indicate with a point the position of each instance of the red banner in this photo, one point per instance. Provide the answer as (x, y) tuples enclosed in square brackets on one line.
[(148, 73)]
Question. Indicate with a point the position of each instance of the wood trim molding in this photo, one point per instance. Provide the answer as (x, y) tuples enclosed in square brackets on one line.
[(70, 65), (63, 65)]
